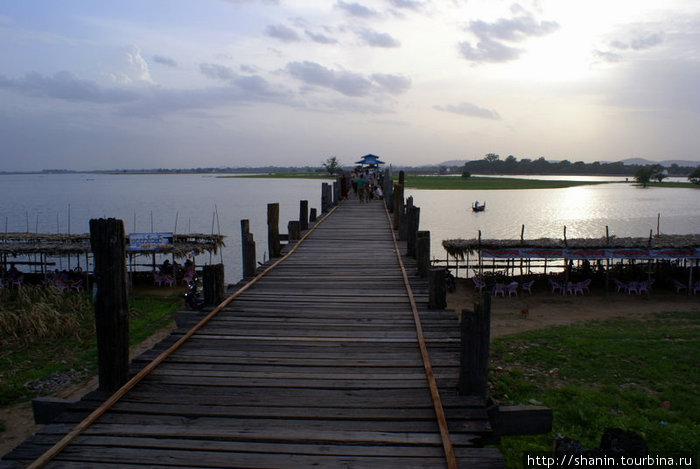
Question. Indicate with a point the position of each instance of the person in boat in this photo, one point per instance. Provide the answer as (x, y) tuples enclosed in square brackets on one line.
[(476, 204)]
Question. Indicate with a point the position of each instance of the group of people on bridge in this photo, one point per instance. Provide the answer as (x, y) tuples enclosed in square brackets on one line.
[(365, 184)]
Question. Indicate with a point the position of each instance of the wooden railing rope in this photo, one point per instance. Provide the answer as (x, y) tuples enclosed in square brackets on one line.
[(430, 376)]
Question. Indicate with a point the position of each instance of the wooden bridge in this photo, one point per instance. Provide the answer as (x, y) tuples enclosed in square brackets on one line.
[(318, 363)]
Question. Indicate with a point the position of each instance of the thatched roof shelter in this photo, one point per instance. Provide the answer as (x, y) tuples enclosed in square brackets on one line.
[(18, 244), (653, 247)]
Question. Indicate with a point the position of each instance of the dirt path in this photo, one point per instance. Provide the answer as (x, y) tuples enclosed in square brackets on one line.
[(546, 309)]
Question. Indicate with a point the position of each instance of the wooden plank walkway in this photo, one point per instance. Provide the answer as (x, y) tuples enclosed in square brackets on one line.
[(316, 365)]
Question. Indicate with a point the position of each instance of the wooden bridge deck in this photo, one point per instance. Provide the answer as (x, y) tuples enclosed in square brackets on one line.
[(316, 364)]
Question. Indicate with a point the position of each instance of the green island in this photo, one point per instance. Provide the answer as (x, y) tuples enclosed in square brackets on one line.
[(443, 182)]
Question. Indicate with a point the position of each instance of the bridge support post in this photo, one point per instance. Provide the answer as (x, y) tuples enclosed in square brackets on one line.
[(403, 218), (422, 253), (303, 215), (412, 224), (273, 230), (108, 243), (474, 353), (293, 230), (326, 197), (398, 200), (437, 290), (247, 250), (213, 284)]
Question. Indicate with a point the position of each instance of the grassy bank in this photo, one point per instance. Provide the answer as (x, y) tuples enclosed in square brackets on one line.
[(486, 183), (44, 332), (442, 182), (636, 375), (281, 175)]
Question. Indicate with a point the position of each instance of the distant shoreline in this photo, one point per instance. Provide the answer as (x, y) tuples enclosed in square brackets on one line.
[(412, 180)]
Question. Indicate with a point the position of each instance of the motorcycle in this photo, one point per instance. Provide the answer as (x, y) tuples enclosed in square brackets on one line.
[(193, 299)]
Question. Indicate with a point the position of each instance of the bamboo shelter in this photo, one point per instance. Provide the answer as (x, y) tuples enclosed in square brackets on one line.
[(507, 255), (36, 249)]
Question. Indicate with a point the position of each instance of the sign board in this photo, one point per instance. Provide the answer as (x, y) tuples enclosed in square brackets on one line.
[(150, 241)]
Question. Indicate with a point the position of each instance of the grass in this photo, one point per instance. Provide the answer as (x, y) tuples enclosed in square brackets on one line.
[(486, 183), (45, 331), (281, 175), (635, 375)]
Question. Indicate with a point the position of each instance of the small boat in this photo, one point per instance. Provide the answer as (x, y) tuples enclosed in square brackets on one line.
[(477, 207)]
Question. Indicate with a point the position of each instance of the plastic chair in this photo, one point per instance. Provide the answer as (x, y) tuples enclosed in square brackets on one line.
[(554, 286), (478, 283), (499, 288), (679, 286), (527, 286), (512, 289)]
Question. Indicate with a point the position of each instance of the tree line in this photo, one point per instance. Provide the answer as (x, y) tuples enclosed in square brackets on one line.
[(493, 164)]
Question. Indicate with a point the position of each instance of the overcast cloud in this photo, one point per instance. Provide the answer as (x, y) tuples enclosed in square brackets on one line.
[(256, 82)]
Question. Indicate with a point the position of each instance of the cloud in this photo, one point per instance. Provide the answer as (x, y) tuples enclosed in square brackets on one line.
[(392, 84), (492, 37), (408, 4), (66, 86), (320, 38), (347, 83), (638, 41), (488, 50), (377, 39), (355, 9), (469, 109), (344, 82), (167, 61), (606, 56), (282, 32), (217, 72), (253, 85), (128, 66)]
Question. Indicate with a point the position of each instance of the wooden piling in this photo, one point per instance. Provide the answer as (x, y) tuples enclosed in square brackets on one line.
[(213, 284), (312, 215), (293, 230), (403, 219), (303, 215), (326, 197), (412, 225), (273, 230), (247, 250), (474, 354), (422, 253), (108, 243), (437, 290)]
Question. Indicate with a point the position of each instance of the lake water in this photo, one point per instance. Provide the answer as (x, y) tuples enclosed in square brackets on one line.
[(41, 202)]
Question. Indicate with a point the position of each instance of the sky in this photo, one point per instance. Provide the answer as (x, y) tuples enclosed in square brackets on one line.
[(226, 83)]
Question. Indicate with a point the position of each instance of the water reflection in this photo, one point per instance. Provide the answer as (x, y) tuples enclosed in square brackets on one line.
[(585, 211)]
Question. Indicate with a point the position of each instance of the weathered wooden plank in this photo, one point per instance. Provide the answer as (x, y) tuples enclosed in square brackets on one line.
[(316, 365)]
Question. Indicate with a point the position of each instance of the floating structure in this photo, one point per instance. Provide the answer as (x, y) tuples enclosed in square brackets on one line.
[(612, 247), (20, 248)]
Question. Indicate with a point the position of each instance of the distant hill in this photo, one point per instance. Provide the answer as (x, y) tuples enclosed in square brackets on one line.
[(628, 162), (642, 161)]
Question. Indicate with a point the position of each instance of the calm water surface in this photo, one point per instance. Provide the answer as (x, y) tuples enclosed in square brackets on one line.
[(42, 203), (188, 203), (627, 210)]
